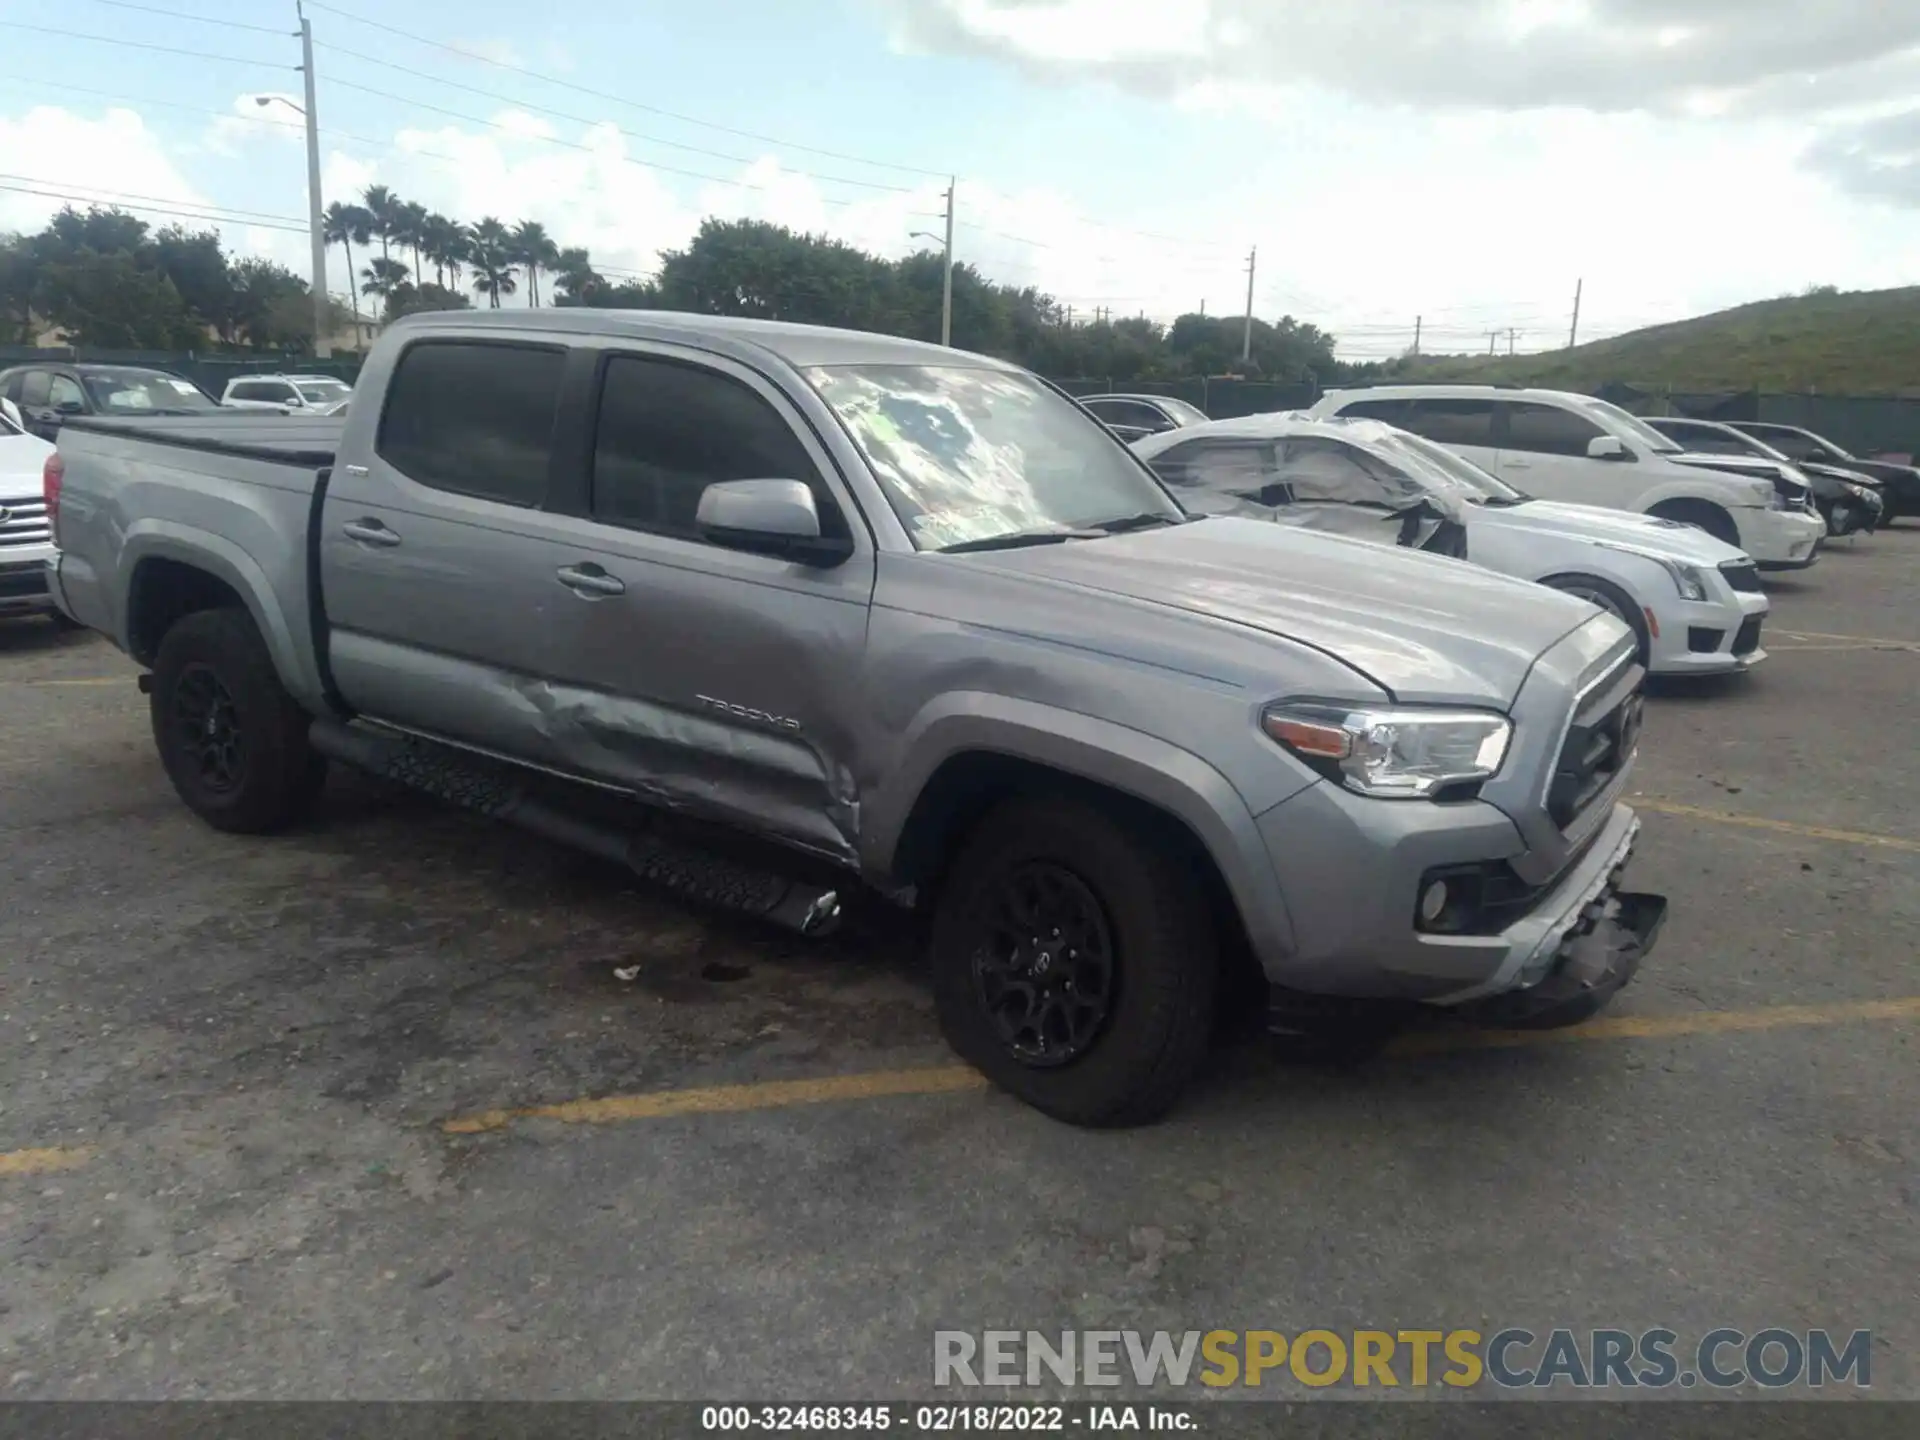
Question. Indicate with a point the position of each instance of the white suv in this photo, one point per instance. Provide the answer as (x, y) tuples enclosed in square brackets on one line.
[(1562, 446), (309, 394)]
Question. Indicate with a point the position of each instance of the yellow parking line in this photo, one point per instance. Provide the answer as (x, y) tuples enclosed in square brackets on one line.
[(1784, 827), (40, 1162), (949, 1079)]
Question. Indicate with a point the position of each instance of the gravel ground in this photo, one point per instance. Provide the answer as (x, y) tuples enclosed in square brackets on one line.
[(227, 1068)]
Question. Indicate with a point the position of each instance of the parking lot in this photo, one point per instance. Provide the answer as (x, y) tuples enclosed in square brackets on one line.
[(407, 1105)]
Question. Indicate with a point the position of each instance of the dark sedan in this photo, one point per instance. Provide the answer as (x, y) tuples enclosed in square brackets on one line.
[(1900, 484), (1847, 498), (48, 392)]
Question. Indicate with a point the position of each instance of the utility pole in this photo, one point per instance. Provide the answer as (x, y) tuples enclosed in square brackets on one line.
[(946, 282), (1573, 335), (1512, 336), (321, 348), (1246, 335), (1493, 339), (1416, 333)]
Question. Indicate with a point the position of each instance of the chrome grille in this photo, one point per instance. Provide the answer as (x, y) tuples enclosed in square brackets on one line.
[(1742, 575), (24, 522)]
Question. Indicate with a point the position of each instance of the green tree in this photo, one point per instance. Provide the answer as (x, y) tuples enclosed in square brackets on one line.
[(575, 281), (410, 229), (532, 247), (193, 260), (348, 226), (383, 211), (19, 274), (383, 277), (491, 254), (113, 301), (444, 242)]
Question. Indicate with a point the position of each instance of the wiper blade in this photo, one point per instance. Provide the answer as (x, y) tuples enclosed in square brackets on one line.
[(1019, 540), (1146, 518)]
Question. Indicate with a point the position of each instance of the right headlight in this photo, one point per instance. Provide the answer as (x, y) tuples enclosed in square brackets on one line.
[(1392, 752)]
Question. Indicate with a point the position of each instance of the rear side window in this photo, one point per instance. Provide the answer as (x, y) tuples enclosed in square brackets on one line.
[(474, 418), (1548, 430), (1391, 411), (36, 387), (1450, 422), (667, 430)]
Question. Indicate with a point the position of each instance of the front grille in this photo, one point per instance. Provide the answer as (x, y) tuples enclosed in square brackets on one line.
[(23, 581), (24, 522), (1703, 639), (1742, 575), (1599, 743), (1747, 640)]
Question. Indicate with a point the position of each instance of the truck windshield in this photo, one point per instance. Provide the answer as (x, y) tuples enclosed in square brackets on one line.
[(970, 456), (144, 392)]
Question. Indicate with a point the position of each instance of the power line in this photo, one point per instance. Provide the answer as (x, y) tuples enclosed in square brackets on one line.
[(198, 19), (619, 99), (66, 34), (149, 209), (495, 95), (164, 200)]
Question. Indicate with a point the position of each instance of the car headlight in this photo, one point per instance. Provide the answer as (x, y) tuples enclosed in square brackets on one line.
[(1687, 579), (1401, 754)]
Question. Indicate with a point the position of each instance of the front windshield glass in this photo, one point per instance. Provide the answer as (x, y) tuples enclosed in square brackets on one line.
[(968, 455), (1439, 466), (1180, 410), (145, 392), (1633, 425), (322, 392)]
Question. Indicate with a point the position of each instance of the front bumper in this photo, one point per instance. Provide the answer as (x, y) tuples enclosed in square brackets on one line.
[(23, 579), (1716, 636), (1780, 539)]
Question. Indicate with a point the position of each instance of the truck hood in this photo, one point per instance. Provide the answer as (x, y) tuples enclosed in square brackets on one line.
[(1424, 628), (1589, 524)]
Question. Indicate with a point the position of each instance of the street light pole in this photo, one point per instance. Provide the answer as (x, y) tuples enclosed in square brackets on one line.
[(321, 347), (946, 284)]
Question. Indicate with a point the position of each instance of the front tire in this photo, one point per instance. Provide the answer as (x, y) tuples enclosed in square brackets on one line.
[(1075, 961), (1704, 514), (232, 740), (1612, 599)]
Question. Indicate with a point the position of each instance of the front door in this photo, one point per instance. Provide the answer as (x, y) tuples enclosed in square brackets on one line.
[(720, 682), (1543, 451)]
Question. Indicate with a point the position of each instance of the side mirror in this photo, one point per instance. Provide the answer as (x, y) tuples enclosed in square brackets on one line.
[(1608, 447), (13, 413), (768, 517), (70, 407)]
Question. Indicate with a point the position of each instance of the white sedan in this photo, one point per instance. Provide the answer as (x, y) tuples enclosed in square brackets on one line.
[(1694, 602)]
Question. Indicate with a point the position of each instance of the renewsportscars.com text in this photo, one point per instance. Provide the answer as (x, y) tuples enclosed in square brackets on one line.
[(1605, 1359)]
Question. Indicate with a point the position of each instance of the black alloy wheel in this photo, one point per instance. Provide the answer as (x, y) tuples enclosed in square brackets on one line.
[(1045, 965)]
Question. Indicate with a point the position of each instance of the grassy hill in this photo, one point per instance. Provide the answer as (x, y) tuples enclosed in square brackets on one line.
[(1862, 342)]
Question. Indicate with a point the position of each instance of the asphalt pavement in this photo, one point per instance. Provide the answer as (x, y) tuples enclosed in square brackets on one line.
[(406, 1105)]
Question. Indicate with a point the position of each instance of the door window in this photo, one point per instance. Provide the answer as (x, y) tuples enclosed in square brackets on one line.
[(1133, 413), (1547, 429), (667, 430), (65, 390), (1451, 422), (1330, 473), (36, 388), (475, 418), (1206, 472), (1393, 412)]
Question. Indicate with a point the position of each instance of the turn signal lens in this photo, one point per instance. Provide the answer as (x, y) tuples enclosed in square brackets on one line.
[(1303, 737)]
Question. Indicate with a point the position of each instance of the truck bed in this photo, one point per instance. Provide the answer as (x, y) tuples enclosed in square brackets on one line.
[(310, 442)]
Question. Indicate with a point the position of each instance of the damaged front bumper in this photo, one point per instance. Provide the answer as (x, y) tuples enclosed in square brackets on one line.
[(1591, 965)]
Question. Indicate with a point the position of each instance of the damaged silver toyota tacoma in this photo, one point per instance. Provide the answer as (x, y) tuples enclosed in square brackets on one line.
[(763, 611)]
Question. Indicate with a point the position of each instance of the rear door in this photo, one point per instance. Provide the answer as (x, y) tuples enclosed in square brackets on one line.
[(438, 556), (722, 682), (1464, 426), (1543, 451)]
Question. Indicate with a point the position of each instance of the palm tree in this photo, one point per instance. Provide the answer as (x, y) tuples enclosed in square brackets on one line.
[(440, 240), (348, 226), (492, 255), (574, 278), (533, 248), (383, 277), (384, 206), (410, 220)]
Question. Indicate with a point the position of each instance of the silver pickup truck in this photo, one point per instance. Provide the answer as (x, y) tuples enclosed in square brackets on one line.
[(765, 610)]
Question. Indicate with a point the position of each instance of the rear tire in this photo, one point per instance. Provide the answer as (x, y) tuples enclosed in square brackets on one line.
[(1611, 598), (1706, 515), (1102, 1014), (232, 740)]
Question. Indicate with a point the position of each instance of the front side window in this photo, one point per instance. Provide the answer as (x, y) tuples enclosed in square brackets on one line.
[(474, 418), (970, 455), (1134, 414), (1392, 412), (1181, 411), (36, 388), (1212, 476), (322, 392), (667, 430), (1548, 430), (1451, 422), (1327, 472), (1623, 422), (65, 391)]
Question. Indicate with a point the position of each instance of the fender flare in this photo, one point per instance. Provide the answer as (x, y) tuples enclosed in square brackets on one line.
[(1100, 752)]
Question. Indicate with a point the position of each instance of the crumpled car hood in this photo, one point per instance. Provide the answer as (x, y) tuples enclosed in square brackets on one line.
[(1424, 628)]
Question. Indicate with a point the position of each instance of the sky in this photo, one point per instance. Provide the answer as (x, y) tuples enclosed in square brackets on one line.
[(1465, 164)]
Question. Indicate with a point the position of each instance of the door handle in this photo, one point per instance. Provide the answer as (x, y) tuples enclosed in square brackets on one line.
[(590, 580), (1506, 464), (370, 532)]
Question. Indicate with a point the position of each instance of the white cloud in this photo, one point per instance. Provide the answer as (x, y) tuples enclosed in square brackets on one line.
[(251, 122), (54, 150)]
